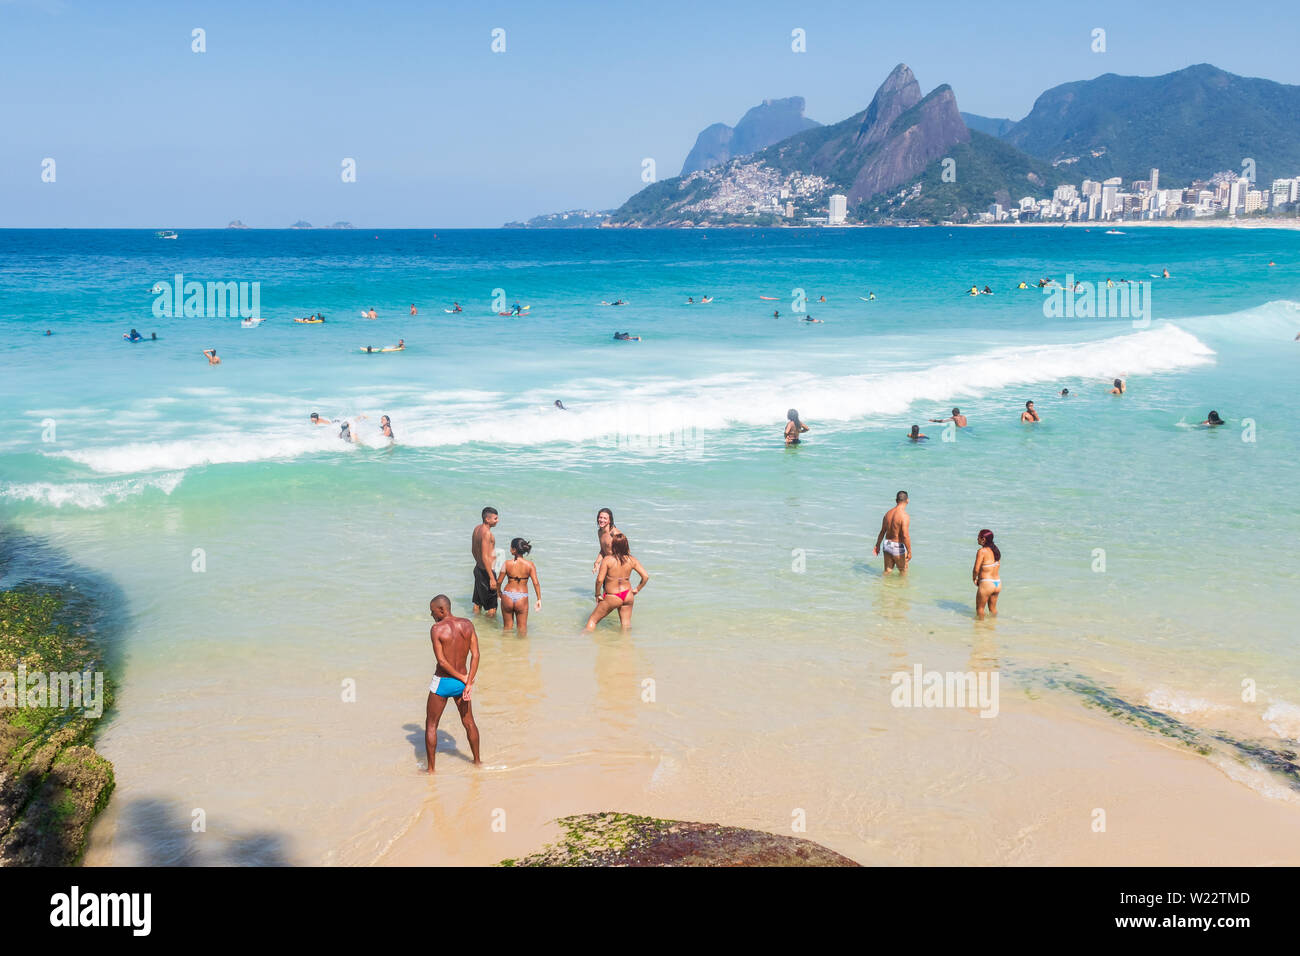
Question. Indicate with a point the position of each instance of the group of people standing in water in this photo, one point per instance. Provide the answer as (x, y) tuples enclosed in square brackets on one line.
[(455, 641)]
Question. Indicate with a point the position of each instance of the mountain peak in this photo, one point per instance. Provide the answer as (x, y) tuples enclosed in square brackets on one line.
[(770, 122), (898, 94)]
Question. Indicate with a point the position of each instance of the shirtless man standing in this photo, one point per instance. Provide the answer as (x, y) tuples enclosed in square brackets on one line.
[(895, 531), (483, 546), (605, 532), (453, 639)]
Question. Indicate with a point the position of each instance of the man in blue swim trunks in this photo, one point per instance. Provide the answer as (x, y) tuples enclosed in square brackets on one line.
[(453, 640)]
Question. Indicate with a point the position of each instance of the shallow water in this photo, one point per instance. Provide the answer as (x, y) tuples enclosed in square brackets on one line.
[(767, 624)]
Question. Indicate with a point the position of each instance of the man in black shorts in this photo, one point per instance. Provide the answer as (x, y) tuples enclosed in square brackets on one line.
[(484, 548)]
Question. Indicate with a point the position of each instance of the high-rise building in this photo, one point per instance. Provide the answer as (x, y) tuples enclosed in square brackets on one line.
[(837, 209), (1155, 179), (1091, 187), (1109, 200), (1255, 199), (1065, 194), (1237, 195)]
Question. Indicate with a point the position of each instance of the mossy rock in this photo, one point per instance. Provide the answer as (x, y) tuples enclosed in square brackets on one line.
[(52, 784), (623, 839)]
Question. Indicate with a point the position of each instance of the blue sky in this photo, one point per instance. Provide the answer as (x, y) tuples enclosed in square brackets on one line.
[(146, 133)]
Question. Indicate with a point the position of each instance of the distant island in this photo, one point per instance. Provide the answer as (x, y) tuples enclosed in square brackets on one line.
[(236, 224), (342, 225), (301, 224), (571, 219)]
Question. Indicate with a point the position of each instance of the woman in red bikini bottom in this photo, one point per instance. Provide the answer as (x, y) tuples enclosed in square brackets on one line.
[(614, 583)]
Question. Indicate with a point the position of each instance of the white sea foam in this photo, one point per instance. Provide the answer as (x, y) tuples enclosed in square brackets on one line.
[(1174, 702), (1283, 719), (645, 411), (87, 494)]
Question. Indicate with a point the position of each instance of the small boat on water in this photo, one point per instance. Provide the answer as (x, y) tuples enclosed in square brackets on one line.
[(167, 234), (1114, 232)]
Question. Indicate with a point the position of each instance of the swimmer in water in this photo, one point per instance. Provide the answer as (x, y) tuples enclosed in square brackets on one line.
[(822, 299), (1065, 393), (776, 314), (690, 300), (345, 432), (614, 589), (317, 420), (386, 427), (48, 332), (454, 640), (915, 434), (1117, 387), (625, 337), (605, 532), (1164, 273), (974, 290), (512, 584), (986, 291), (414, 311), (455, 307), (1029, 415), (401, 344), (957, 418), (1022, 285), (212, 356), (372, 314), (1213, 419), (560, 405), (986, 575), (896, 533), (793, 427), (809, 318), (871, 297)]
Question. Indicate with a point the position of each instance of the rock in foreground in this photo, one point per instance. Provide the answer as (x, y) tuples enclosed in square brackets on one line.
[(622, 839)]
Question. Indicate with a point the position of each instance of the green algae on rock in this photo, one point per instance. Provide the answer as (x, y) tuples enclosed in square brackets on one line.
[(624, 839), (52, 783)]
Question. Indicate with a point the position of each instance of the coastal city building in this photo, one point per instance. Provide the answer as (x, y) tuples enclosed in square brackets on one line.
[(838, 209)]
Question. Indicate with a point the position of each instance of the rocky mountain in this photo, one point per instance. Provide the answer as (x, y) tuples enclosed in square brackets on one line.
[(1190, 123), (570, 219), (769, 122), (990, 127), (889, 143)]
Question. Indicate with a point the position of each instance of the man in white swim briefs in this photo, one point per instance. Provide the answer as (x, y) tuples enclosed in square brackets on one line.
[(453, 639), (895, 531)]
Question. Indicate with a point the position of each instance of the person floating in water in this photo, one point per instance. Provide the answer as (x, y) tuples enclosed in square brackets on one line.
[(454, 639), (614, 589), (1023, 285), (915, 434), (414, 311), (1117, 387), (625, 337), (986, 575), (482, 545), (48, 332), (690, 300), (516, 309), (560, 405), (822, 299), (386, 427), (871, 297), (345, 433), (896, 533), (809, 318), (1065, 393), (986, 291), (317, 420), (372, 314), (974, 290), (1164, 273), (455, 307), (793, 427), (153, 336), (212, 356), (1029, 415), (513, 587), (957, 418), (132, 336), (776, 313), (1212, 420)]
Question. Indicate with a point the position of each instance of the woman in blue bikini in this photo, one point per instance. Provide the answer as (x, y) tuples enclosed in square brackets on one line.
[(987, 575), (513, 585)]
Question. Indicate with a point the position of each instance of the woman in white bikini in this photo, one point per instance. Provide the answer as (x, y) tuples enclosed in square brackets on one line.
[(614, 583), (512, 582), (987, 575)]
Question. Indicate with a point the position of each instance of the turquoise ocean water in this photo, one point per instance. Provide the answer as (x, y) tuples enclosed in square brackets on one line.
[(321, 556)]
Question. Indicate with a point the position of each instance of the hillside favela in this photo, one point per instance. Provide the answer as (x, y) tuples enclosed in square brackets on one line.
[(912, 159)]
